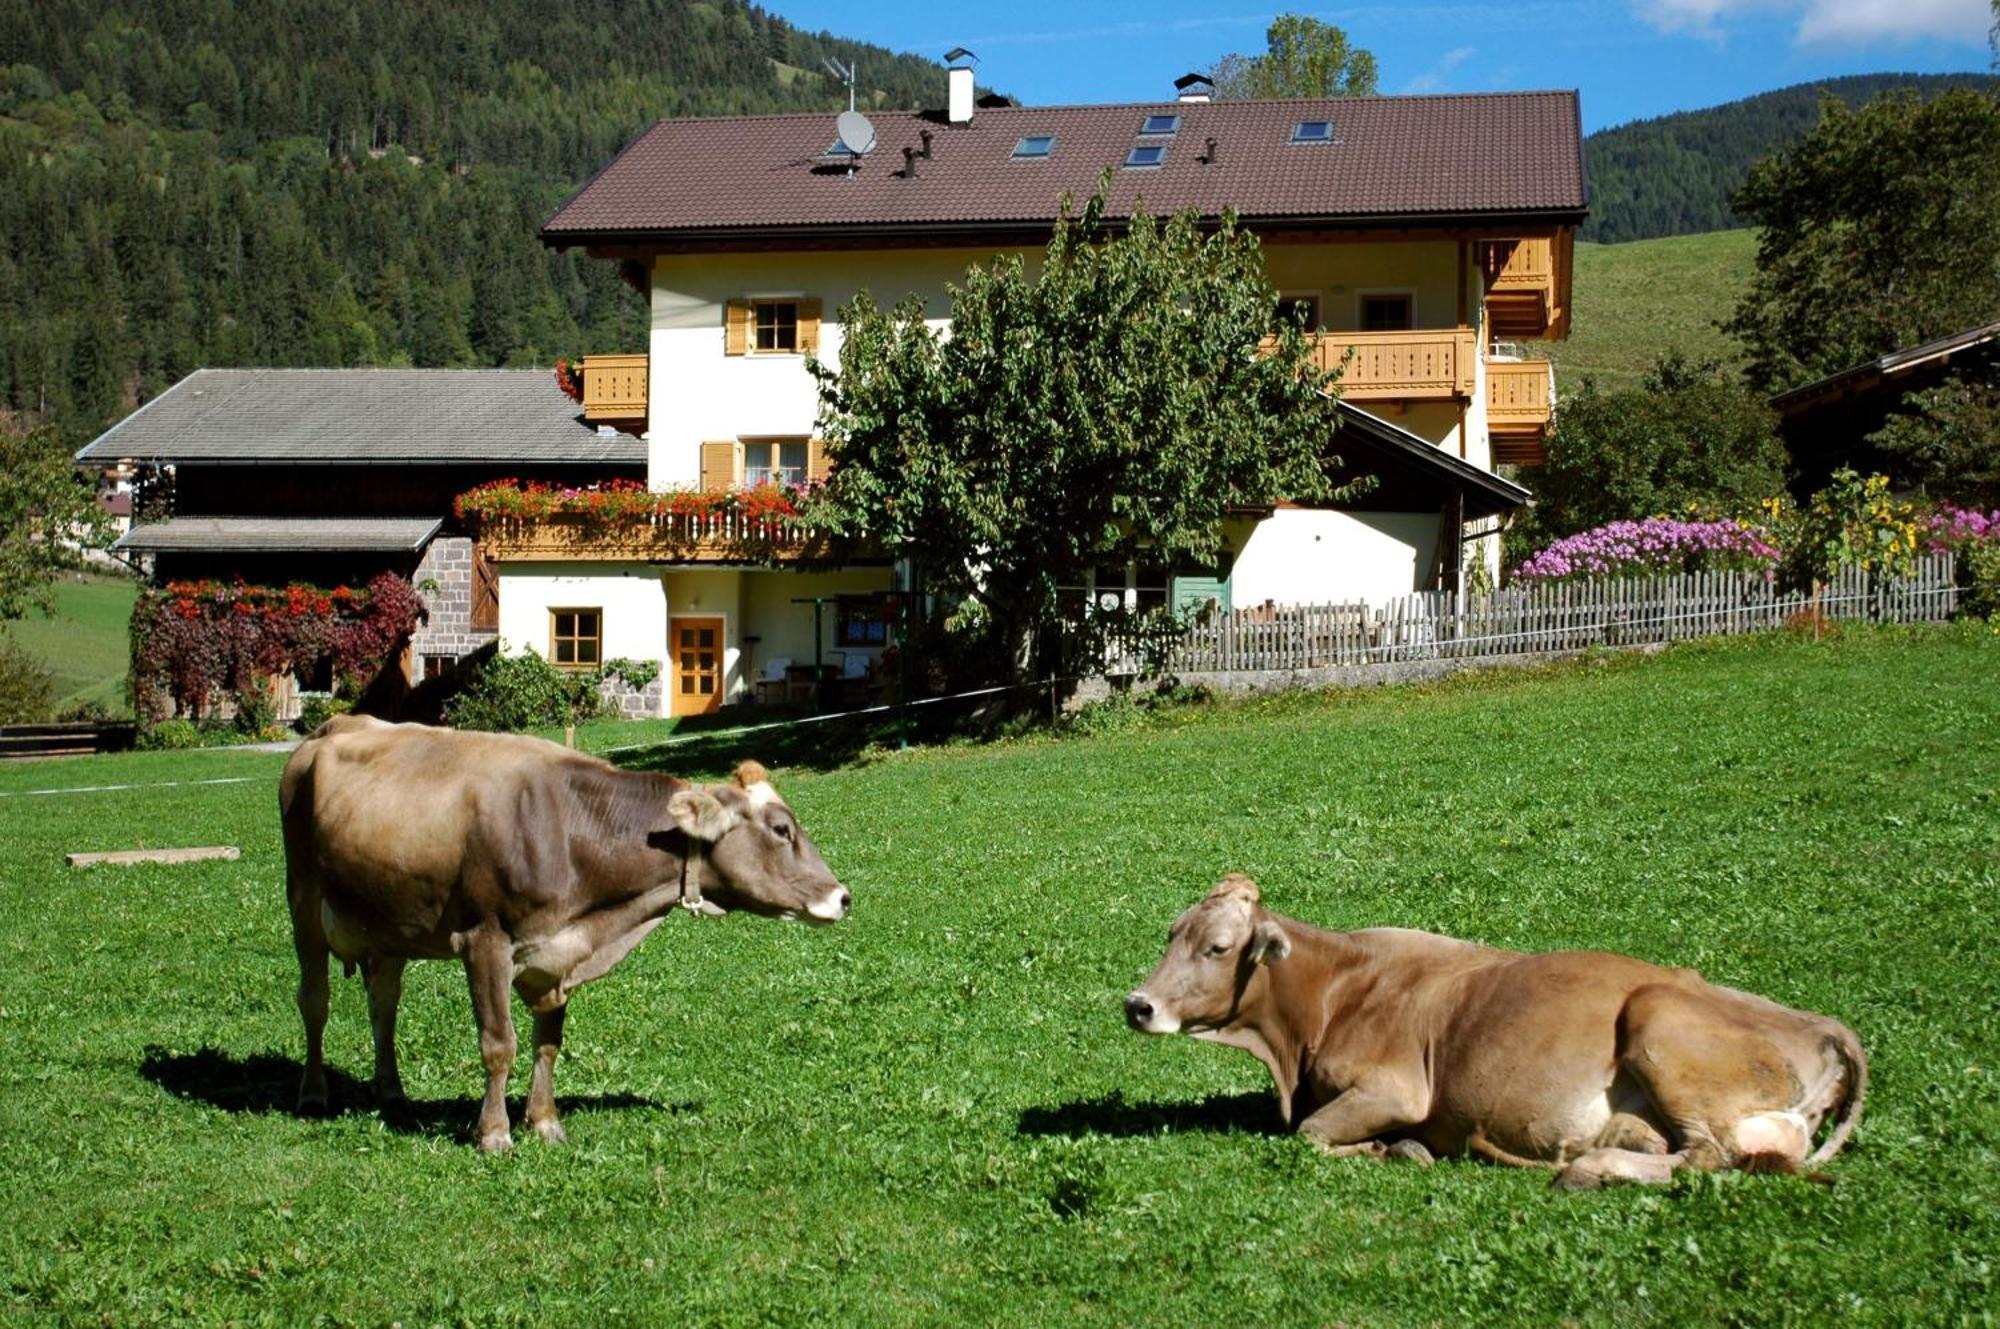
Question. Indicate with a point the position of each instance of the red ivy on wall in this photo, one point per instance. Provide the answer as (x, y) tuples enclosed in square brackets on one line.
[(193, 641)]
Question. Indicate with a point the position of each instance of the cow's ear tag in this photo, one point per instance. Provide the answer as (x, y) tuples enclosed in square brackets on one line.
[(1268, 943), (700, 814)]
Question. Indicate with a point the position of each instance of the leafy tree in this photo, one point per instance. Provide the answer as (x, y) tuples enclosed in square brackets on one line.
[(1948, 438), (1306, 58), (1691, 436), (1881, 229), (1115, 407), (46, 510)]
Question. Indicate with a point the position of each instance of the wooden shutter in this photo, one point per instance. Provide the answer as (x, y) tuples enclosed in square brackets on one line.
[(721, 464), (809, 327), (485, 592), (736, 328), (819, 460)]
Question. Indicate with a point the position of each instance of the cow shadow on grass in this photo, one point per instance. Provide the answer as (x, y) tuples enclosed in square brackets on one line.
[(268, 1083), (1110, 1114)]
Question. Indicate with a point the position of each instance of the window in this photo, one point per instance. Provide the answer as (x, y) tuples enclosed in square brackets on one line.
[(437, 666), (576, 638), (775, 326), (1388, 312), (1035, 145), (1304, 309), (1313, 131), (863, 620), (779, 460), (1145, 155), (1161, 125)]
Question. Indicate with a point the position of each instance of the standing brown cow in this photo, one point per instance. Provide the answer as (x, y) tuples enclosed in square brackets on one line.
[(1599, 1067), (537, 866)]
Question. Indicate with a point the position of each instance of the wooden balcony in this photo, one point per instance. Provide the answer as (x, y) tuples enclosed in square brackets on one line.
[(719, 537), (1421, 365), (1526, 287), (1520, 402), (614, 391)]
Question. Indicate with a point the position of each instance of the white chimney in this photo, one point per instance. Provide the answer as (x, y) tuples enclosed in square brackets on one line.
[(958, 83)]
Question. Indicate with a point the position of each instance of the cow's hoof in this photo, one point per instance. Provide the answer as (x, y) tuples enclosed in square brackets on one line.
[(1576, 1177), (496, 1142), (550, 1130), (1410, 1151), (313, 1102)]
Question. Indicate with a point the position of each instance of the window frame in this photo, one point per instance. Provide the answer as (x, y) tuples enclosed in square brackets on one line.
[(556, 638), (1300, 136), (1173, 128), (1406, 294), (758, 304), (1156, 164), (1020, 144), (775, 474), (859, 622)]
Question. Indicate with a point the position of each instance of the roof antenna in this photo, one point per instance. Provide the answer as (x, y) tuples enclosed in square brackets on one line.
[(845, 73)]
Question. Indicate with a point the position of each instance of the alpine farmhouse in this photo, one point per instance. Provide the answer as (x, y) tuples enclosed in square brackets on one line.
[(1421, 238)]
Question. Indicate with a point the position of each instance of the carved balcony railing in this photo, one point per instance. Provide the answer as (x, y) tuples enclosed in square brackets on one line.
[(614, 390)]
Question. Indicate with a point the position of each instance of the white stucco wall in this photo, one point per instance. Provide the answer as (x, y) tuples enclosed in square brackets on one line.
[(639, 600), (630, 597), (1309, 556), (698, 393)]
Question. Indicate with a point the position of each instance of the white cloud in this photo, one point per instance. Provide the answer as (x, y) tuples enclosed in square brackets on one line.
[(1433, 79), (1830, 22), (1855, 22)]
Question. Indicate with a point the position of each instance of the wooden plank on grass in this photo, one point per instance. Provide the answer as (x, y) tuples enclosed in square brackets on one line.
[(122, 856)]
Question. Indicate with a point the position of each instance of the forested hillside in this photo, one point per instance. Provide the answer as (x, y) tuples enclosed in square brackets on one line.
[(206, 182), (1673, 175)]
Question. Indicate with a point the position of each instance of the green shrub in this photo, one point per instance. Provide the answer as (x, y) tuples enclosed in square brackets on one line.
[(168, 735), (256, 712), (27, 690), (317, 708), (515, 692), (86, 712), (1979, 570)]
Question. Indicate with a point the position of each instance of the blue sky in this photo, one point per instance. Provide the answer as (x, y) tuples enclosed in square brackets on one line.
[(1630, 58)]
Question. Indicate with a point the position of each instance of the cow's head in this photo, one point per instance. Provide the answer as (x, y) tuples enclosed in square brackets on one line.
[(757, 855), (1213, 953)]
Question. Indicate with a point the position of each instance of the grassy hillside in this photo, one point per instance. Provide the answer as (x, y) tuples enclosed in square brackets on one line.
[(933, 1113), (85, 644), (1635, 302), (1673, 175)]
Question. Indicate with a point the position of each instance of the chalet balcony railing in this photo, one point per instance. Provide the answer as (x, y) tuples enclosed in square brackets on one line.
[(1520, 394), (1418, 365), (693, 537), (1519, 265), (614, 390)]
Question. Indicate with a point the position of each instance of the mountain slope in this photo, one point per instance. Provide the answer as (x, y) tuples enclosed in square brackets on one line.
[(1673, 175), (1636, 302), (199, 182)]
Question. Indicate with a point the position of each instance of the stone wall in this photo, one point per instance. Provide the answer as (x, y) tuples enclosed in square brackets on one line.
[(634, 703), (444, 580)]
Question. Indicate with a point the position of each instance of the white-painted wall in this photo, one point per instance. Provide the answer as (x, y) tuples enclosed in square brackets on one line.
[(786, 629), (630, 597), (1312, 556)]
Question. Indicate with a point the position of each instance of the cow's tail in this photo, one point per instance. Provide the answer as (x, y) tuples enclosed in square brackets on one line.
[(1844, 1045)]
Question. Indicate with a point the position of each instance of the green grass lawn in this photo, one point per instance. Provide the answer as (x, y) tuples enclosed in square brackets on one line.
[(1637, 301), (85, 645), (933, 1113)]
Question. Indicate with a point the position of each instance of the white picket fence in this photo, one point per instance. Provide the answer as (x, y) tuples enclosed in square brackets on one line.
[(1560, 616)]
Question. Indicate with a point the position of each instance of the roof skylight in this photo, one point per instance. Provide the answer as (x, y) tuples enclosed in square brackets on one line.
[(1313, 131), (1161, 125), (1145, 155), (1035, 145)]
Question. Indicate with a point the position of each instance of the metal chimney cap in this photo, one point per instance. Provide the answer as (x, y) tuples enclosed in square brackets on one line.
[(958, 54), (1186, 81)]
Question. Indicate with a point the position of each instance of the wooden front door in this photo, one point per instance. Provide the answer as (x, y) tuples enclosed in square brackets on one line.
[(697, 674)]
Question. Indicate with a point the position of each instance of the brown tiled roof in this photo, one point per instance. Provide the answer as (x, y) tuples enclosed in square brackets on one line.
[(1393, 158)]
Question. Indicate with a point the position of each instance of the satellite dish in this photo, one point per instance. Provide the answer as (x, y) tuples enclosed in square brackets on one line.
[(856, 134)]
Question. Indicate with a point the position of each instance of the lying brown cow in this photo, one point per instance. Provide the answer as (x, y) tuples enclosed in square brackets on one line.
[(1401, 1043), (537, 866)]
